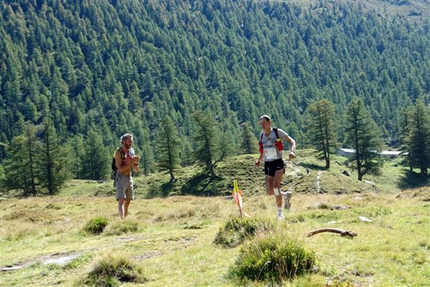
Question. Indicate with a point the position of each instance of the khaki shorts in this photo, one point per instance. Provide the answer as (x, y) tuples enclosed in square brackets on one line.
[(124, 186)]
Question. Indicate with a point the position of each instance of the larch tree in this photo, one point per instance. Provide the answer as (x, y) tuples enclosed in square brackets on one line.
[(21, 162), (321, 128), (168, 147), (417, 137), (96, 161), (209, 150), (363, 135), (249, 144), (54, 161), (76, 148)]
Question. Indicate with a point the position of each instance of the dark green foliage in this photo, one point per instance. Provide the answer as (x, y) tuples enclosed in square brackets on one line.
[(21, 163), (417, 137), (113, 271), (97, 160), (321, 128), (249, 143), (272, 259), (96, 225), (168, 147), (36, 162), (363, 135), (236, 230), (54, 160), (117, 66), (210, 148), (76, 150)]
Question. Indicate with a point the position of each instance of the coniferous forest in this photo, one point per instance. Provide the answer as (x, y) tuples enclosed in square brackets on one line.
[(79, 74)]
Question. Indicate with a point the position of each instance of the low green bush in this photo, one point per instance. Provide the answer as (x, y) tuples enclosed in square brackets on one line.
[(113, 271), (123, 227), (272, 259), (96, 225), (237, 229)]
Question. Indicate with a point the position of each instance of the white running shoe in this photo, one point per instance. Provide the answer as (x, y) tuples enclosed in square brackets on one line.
[(287, 197), (280, 215)]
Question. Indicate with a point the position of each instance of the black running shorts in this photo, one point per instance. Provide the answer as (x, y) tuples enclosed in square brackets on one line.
[(271, 167)]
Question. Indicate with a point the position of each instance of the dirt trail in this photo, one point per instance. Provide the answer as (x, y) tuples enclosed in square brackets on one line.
[(318, 181)]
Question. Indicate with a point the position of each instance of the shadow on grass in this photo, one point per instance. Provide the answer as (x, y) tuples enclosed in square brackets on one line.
[(411, 179), (312, 166), (202, 185), (166, 188)]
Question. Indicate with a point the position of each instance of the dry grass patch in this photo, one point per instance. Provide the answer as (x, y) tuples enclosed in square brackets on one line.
[(113, 271), (171, 238)]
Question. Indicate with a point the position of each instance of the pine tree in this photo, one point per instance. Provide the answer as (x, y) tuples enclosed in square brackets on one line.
[(249, 143), (75, 147), (168, 147), (209, 151), (320, 130), (53, 159), (21, 162), (363, 135), (96, 161), (418, 137)]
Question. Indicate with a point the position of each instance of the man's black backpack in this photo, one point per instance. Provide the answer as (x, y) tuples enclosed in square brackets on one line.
[(113, 165)]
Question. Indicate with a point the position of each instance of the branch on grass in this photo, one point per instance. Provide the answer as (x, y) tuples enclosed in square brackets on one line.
[(334, 230)]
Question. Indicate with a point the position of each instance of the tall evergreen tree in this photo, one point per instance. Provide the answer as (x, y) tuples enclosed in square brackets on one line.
[(21, 162), (168, 147), (96, 161), (209, 151), (249, 144), (363, 135), (75, 147), (17, 168), (320, 128), (418, 137), (186, 152), (53, 160)]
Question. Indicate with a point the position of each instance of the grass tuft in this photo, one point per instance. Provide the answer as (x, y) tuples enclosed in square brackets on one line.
[(273, 259), (96, 225), (122, 227), (236, 230), (113, 271)]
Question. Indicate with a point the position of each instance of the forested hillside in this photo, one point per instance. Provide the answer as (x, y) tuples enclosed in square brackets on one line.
[(101, 68)]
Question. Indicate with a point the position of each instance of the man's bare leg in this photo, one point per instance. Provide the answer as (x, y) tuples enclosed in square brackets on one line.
[(121, 207), (126, 205)]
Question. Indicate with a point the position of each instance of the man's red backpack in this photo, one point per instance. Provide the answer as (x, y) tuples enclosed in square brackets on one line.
[(279, 144)]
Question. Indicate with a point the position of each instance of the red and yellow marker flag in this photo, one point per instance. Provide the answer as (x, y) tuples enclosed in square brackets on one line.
[(237, 195)]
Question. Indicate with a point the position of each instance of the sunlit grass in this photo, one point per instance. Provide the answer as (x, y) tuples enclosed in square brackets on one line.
[(173, 242), (172, 238)]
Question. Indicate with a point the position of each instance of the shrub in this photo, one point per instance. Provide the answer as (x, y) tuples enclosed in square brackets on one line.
[(112, 271), (236, 230), (272, 259), (96, 225), (122, 227)]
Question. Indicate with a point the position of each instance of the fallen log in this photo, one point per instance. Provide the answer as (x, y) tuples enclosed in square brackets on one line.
[(334, 230)]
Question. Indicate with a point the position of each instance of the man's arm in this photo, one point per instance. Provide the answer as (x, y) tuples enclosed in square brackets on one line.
[(292, 143), (260, 158), (135, 161)]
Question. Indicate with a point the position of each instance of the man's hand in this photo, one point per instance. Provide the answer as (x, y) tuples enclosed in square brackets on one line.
[(135, 159), (292, 155)]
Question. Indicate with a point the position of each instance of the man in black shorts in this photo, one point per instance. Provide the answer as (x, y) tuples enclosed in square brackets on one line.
[(271, 152)]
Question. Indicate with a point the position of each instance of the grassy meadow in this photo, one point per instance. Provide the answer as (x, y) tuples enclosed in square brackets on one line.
[(170, 239)]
